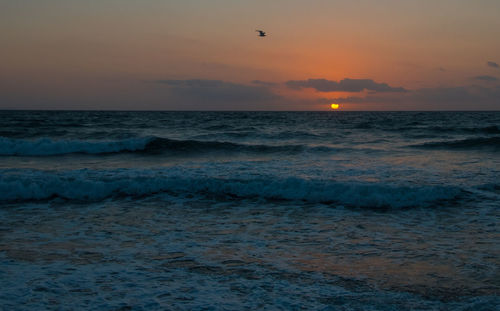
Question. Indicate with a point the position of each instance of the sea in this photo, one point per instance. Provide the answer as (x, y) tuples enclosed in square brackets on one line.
[(329, 210)]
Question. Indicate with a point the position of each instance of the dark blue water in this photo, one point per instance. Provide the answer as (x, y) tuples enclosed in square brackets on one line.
[(249, 210)]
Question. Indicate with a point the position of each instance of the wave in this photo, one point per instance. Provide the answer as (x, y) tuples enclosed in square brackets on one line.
[(49, 147), (282, 135), (92, 185), (416, 127), (492, 129), (489, 143), (153, 145)]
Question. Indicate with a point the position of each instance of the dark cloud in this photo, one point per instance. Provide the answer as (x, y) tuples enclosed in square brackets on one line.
[(194, 83), (345, 85), (217, 95), (446, 98), (263, 83), (486, 78), (201, 94), (492, 64)]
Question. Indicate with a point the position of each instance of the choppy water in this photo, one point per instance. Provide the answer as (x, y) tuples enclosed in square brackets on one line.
[(249, 210)]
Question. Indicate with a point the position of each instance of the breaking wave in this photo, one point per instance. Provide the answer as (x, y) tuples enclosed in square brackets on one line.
[(49, 147), (490, 143), (92, 185), (492, 129)]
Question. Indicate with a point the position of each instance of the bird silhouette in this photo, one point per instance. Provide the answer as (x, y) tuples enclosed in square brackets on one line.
[(261, 33)]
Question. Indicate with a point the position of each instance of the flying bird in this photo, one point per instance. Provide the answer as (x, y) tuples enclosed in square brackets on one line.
[(261, 33)]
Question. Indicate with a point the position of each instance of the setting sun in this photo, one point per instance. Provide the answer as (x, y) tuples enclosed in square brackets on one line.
[(335, 106)]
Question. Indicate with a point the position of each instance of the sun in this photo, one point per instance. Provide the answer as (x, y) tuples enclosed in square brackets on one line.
[(335, 106)]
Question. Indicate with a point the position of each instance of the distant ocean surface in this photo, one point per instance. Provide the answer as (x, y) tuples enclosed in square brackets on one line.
[(249, 210)]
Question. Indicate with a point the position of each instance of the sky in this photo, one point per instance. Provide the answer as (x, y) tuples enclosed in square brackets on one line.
[(207, 55)]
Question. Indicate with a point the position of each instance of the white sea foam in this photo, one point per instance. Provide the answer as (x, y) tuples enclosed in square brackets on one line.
[(89, 185)]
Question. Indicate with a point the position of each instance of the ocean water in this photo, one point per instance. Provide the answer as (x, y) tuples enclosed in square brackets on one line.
[(249, 210)]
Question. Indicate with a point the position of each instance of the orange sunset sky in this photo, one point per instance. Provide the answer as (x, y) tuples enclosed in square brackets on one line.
[(206, 55)]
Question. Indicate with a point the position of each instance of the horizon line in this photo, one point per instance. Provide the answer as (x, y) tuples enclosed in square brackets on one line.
[(145, 110)]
